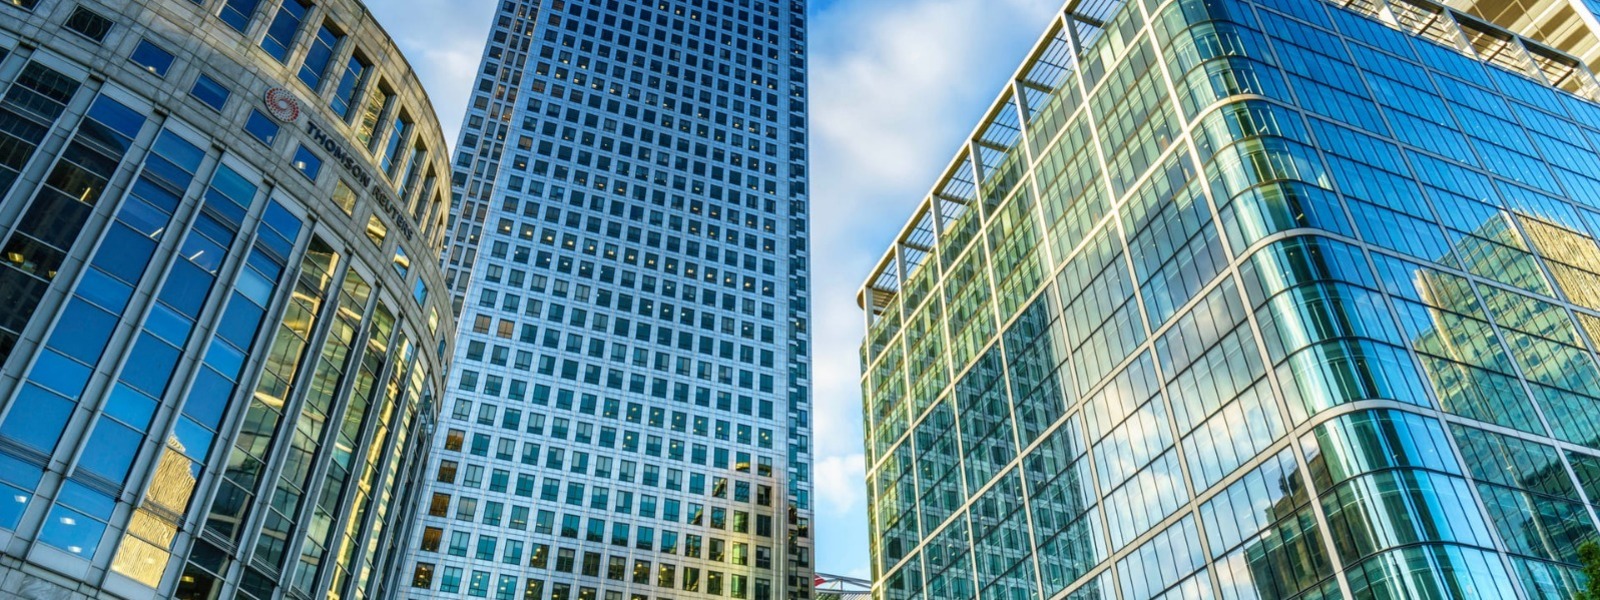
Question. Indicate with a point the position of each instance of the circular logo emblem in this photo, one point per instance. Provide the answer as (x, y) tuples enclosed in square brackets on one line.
[(283, 105)]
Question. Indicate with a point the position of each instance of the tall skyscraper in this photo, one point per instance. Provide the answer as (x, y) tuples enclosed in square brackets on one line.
[(222, 333), (1248, 299), (630, 414)]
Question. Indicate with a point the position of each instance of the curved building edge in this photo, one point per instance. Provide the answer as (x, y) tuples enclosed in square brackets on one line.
[(223, 325)]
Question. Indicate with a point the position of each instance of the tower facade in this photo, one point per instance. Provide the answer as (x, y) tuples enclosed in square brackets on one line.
[(222, 332), (630, 414), (1248, 299)]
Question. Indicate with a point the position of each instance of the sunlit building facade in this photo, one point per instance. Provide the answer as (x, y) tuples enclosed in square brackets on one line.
[(1248, 299), (628, 416), (222, 329)]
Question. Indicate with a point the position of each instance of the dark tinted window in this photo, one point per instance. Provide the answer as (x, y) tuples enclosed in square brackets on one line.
[(209, 92), (152, 57), (89, 23), (262, 127)]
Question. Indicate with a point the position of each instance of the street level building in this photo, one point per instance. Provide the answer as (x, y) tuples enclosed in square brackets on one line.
[(628, 414), (222, 329), (1248, 299)]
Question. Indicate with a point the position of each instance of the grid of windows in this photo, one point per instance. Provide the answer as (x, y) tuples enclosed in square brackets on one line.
[(632, 393), (1248, 299)]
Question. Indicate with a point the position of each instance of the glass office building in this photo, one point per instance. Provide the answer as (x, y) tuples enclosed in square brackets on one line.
[(221, 328), (1248, 299), (628, 414)]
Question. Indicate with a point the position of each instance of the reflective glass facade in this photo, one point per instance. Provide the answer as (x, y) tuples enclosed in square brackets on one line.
[(628, 415), (217, 364), (1248, 299)]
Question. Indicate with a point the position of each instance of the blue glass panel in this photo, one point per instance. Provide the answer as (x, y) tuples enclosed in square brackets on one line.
[(186, 288), (36, 418), (225, 358), (261, 127), (254, 286), (167, 324), (144, 217), (110, 451), (118, 117), (13, 502), (152, 57), (150, 365), (19, 472), (210, 92), (233, 186), (157, 169), (240, 322), (196, 440), (307, 162), (56, 372), (101, 289), (72, 531), (83, 331), (134, 253), (208, 399), (130, 406), (179, 151)]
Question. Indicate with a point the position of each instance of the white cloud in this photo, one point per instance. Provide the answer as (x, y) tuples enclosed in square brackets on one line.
[(838, 483)]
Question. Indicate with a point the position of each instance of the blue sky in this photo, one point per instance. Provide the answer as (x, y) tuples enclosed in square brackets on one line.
[(895, 86)]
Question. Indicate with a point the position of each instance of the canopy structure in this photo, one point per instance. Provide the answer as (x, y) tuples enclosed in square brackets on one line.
[(834, 587)]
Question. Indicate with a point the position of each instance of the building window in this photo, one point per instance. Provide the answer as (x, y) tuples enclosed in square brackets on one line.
[(344, 197), (451, 581), (402, 263), (237, 13), (152, 58), (379, 102), (376, 230), (89, 24), (22, 4), (355, 72), (399, 131), (209, 92), (431, 536), (320, 55), (422, 577), (284, 28), (307, 162), (262, 127)]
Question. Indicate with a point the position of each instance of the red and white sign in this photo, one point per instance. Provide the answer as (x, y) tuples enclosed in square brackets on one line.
[(282, 104)]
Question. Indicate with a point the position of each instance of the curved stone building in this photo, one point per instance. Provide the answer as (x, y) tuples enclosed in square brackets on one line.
[(1256, 299), (222, 325)]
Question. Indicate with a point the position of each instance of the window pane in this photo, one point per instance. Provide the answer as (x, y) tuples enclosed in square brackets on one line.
[(308, 162), (154, 59), (209, 92), (40, 425), (262, 127)]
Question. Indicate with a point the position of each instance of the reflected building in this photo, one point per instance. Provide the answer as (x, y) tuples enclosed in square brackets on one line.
[(1249, 299), (218, 358)]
